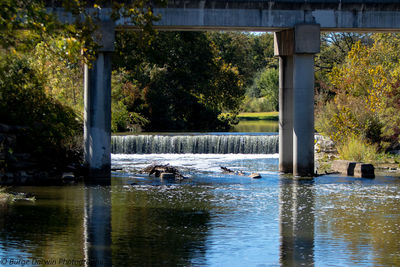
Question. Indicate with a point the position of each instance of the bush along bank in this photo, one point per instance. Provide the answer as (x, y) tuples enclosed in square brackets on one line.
[(21, 166)]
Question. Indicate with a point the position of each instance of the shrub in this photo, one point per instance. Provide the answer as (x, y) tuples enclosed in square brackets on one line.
[(357, 149)]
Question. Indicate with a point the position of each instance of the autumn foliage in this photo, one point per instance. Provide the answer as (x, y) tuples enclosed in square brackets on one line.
[(366, 100)]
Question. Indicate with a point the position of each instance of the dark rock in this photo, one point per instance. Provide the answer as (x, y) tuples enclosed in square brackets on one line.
[(255, 175), (225, 170), (21, 165), (157, 170), (4, 128), (22, 156), (167, 175), (68, 177)]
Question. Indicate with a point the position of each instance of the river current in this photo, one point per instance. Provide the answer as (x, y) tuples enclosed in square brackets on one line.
[(208, 219)]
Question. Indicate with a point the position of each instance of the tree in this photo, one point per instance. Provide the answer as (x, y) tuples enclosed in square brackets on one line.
[(179, 91), (366, 94), (249, 53), (268, 82)]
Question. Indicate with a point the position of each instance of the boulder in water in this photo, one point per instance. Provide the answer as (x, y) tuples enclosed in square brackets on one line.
[(255, 175)]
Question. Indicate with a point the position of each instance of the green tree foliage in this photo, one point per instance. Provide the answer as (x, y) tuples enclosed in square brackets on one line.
[(41, 63), (268, 82), (263, 95), (23, 101), (366, 101), (60, 71), (179, 82), (250, 53)]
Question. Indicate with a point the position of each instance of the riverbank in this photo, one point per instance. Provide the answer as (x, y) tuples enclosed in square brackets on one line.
[(21, 165), (326, 154)]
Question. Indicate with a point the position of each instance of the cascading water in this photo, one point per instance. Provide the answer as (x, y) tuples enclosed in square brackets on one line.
[(195, 144)]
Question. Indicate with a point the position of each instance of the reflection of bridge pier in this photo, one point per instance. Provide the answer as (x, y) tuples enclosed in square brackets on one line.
[(296, 200), (97, 226)]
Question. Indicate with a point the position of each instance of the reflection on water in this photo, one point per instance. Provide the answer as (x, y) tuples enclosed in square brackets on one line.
[(296, 222), (210, 219), (259, 126), (97, 226)]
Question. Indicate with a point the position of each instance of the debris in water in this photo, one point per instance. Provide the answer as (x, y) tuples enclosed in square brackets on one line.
[(163, 171), (225, 170)]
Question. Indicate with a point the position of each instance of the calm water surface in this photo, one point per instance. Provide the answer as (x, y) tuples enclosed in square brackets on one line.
[(260, 126), (209, 219)]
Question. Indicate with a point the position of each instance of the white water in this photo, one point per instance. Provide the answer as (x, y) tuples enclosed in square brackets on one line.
[(199, 163), (195, 144)]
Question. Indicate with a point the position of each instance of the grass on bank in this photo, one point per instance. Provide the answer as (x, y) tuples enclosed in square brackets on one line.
[(272, 116), (358, 150)]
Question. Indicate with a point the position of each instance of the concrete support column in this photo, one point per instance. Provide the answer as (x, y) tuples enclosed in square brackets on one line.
[(303, 115), (296, 48), (285, 114), (307, 43), (97, 127)]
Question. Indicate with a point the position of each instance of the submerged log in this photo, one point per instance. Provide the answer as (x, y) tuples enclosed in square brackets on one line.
[(161, 170)]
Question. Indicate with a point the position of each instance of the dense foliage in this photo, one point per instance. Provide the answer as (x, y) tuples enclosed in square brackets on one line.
[(41, 63), (49, 126), (185, 80), (366, 93)]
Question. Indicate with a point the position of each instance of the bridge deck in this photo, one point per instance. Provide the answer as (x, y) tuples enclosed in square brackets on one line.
[(267, 15)]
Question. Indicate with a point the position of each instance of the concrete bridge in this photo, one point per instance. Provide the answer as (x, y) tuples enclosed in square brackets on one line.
[(297, 25)]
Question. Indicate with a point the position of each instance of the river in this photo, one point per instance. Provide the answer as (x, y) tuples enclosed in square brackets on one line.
[(208, 219)]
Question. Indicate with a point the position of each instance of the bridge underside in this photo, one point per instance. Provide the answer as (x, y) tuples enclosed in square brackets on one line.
[(297, 25)]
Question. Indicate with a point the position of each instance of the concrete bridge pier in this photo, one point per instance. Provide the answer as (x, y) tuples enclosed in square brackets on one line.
[(97, 117), (296, 48)]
